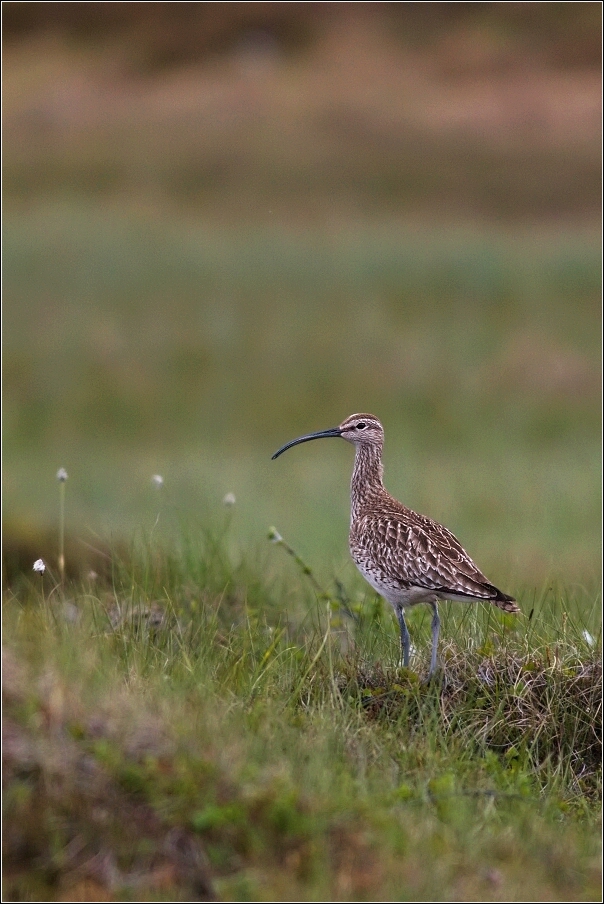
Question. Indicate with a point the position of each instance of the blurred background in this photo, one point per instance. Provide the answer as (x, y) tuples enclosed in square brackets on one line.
[(228, 224)]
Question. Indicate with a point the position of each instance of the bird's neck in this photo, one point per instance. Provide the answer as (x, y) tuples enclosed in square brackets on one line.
[(366, 485)]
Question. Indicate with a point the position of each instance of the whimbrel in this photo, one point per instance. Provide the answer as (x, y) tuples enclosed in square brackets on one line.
[(408, 558)]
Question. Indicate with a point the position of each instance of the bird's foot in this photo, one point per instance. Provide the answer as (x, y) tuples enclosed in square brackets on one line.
[(435, 676)]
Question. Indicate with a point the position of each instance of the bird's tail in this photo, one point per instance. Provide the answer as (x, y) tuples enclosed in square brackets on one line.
[(505, 602)]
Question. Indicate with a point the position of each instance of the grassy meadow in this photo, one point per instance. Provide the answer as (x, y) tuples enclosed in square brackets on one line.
[(192, 714), (204, 258), (205, 728)]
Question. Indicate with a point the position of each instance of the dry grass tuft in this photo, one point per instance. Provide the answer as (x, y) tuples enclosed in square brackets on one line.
[(541, 708)]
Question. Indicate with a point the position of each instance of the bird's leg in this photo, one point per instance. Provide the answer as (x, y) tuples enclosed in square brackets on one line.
[(435, 632), (404, 635)]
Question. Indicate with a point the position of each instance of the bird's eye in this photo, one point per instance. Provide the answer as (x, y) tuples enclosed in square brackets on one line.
[(361, 426)]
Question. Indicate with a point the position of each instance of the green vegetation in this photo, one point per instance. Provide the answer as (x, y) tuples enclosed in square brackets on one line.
[(226, 225), (190, 729)]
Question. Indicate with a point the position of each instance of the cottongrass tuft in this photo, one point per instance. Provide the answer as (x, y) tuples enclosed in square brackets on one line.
[(62, 475), (229, 500), (158, 480), (40, 566)]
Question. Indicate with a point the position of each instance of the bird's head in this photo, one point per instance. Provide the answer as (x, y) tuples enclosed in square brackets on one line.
[(358, 429), (362, 429)]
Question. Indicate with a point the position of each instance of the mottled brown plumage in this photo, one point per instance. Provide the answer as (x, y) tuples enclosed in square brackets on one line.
[(406, 557)]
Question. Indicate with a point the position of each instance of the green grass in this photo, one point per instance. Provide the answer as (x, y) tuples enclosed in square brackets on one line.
[(223, 708)]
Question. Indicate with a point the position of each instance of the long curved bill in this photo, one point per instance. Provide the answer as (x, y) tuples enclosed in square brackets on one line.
[(333, 431)]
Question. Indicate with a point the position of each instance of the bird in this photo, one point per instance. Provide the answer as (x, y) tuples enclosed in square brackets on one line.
[(406, 557)]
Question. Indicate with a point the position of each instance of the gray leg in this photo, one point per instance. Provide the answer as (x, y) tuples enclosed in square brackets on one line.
[(435, 632), (404, 635)]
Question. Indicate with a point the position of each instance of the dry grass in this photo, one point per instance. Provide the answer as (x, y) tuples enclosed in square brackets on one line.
[(340, 130)]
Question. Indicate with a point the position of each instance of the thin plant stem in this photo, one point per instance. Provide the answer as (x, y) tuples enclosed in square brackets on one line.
[(275, 537), (62, 530)]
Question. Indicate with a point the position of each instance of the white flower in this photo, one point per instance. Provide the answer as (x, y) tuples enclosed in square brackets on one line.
[(274, 535), (229, 499), (589, 640), (158, 480), (39, 566), (62, 475)]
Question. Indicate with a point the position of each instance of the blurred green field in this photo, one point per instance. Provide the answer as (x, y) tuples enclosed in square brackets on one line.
[(135, 347)]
